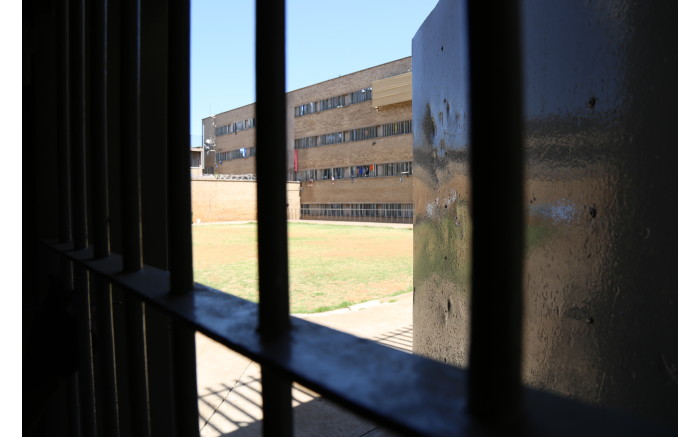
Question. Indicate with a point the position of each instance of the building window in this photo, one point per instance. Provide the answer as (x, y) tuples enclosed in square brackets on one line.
[(363, 133), (235, 127), (356, 171), (359, 134), (362, 95), (244, 152), (359, 211), (397, 128)]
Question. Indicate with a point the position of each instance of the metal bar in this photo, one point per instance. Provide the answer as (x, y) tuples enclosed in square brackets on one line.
[(271, 134), (121, 359), (271, 170), (105, 371), (179, 198), (78, 123), (497, 190), (179, 216), (78, 132), (98, 131), (86, 372), (139, 402), (130, 74), (106, 359), (130, 126), (63, 113), (185, 379), (154, 195), (64, 183), (277, 401)]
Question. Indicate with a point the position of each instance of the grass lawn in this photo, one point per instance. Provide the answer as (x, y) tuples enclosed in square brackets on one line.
[(331, 266)]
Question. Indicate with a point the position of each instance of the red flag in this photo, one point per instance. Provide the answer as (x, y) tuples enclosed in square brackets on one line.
[(296, 160)]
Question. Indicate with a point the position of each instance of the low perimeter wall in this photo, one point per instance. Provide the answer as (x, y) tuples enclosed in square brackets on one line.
[(227, 200)]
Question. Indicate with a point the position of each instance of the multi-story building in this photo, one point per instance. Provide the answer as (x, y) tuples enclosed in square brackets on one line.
[(349, 143)]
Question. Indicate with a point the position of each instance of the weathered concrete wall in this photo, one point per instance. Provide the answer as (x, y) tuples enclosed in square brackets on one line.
[(600, 279), (441, 234), (227, 200)]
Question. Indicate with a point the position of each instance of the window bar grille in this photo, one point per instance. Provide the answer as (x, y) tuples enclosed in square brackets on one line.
[(106, 381), (272, 218), (329, 362), (496, 168), (179, 217)]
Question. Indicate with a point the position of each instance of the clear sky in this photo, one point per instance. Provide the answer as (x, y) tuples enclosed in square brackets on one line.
[(325, 39)]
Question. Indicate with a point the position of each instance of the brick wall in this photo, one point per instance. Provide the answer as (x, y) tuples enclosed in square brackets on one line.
[(224, 200), (374, 151), (359, 190)]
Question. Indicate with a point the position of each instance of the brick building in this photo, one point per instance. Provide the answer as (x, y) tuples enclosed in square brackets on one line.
[(349, 143)]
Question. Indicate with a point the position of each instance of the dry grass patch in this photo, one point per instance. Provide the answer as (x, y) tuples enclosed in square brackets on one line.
[(331, 266)]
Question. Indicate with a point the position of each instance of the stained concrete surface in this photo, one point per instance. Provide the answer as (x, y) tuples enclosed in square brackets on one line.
[(229, 384)]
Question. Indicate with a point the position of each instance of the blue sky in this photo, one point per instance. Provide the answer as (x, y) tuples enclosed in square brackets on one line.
[(325, 39)]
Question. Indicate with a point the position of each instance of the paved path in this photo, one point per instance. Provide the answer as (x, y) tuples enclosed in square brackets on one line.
[(229, 384), (319, 222)]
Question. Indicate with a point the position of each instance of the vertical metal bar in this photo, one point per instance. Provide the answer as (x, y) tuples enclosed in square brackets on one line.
[(78, 131), (276, 404), (78, 123), (102, 292), (64, 182), (154, 195), (98, 132), (139, 401), (130, 59), (106, 368), (271, 170), (130, 74), (497, 187), (63, 112), (179, 218), (179, 199)]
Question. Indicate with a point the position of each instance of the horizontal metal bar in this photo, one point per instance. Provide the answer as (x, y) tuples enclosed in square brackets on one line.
[(404, 392)]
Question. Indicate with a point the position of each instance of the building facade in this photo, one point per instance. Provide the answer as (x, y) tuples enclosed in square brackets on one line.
[(349, 144)]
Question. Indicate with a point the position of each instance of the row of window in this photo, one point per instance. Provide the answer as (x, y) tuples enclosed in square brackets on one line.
[(235, 127), (235, 154), (363, 133), (334, 102), (389, 210), (356, 171)]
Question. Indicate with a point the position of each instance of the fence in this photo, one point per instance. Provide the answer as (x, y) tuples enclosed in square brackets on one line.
[(358, 214)]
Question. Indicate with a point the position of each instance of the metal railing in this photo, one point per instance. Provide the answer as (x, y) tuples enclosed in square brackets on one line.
[(138, 305)]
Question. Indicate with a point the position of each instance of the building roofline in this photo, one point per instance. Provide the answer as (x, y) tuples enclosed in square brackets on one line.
[(315, 84), (349, 74)]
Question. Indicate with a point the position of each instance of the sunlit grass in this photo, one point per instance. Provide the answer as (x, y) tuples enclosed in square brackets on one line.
[(330, 266)]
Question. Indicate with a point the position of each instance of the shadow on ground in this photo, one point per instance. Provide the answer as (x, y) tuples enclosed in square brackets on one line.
[(234, 409)]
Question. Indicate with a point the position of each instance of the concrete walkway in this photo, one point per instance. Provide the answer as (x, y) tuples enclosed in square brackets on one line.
[(229, 384), (320, 222)]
